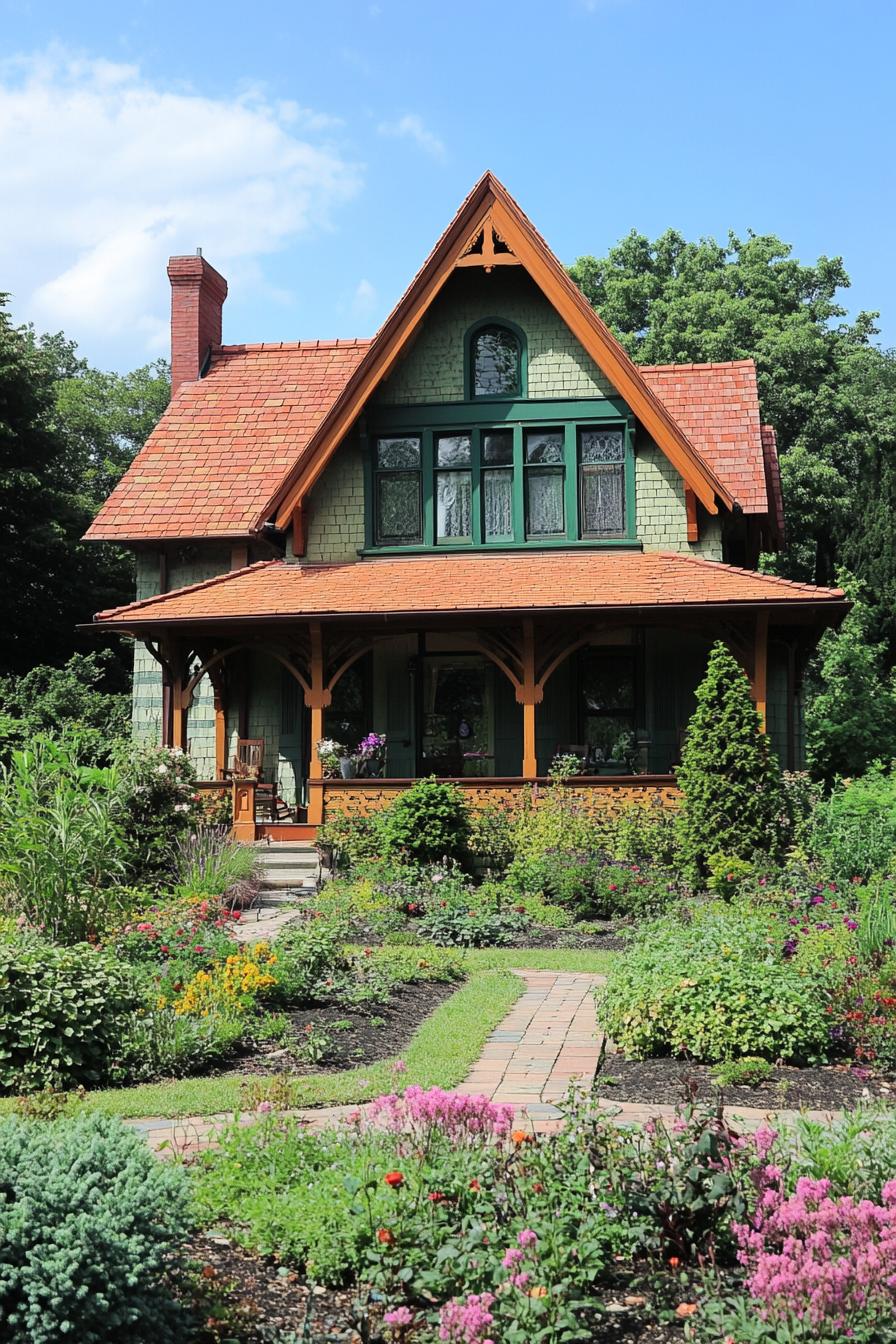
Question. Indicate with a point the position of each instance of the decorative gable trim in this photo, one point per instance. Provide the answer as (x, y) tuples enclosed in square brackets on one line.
[(488, 222)]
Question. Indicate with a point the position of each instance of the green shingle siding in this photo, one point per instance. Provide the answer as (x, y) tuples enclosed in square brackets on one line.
[(433, 369)]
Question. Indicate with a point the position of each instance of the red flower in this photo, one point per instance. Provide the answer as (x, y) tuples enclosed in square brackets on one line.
[(236, 914), (474, 1184), (197, 948), (538, 1188), (435, 1197), (385, 1236), (394, 1178)]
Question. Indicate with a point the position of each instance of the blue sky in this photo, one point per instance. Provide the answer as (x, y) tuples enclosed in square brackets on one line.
[(317, 151)]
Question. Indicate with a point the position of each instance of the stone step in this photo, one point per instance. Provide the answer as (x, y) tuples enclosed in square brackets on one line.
[(289, 863)]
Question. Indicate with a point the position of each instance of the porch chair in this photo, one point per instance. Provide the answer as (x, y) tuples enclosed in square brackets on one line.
[(248, 759)]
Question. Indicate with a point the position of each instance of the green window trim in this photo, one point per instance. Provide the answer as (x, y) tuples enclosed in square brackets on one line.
[(538, 423), (470, 335)]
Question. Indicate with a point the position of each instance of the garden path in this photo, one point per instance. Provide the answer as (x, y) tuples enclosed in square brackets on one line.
[(547, 1043)]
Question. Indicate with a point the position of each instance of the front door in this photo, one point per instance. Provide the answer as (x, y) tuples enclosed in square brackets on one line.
[(457, 730)]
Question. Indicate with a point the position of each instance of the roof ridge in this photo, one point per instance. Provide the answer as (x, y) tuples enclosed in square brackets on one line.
[(696, 364), (215, 581), (798, 584), (333, 343)]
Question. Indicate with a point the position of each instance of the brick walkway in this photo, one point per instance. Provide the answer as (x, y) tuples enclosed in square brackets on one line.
[(548, 1042)]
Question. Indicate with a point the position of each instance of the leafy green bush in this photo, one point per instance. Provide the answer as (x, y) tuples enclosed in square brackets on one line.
[(71, 701), (309, 952), (469, 926), (160, 1043), (63, 1011), (354, 839), (61, 842), (644, 833), (427, 822), (90, 1227), (491, 837), (730, 782), (157, 788), (715, 987), (746, 1072), (592, 886), (853, 831)]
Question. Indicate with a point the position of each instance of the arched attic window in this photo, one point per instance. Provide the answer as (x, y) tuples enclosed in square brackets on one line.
[(495, 360)]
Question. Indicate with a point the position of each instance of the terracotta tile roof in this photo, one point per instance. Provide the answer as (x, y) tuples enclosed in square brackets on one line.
[(717, 406), (511, 581), (208, 467), (227, 440)]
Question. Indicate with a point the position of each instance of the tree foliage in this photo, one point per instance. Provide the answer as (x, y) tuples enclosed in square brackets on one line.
[(829, 392), (851, 713), (85, 698), (66, 434), (728, 774)]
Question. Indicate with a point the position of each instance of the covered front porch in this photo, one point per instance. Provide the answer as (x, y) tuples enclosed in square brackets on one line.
[(490, 706), (479, 669)]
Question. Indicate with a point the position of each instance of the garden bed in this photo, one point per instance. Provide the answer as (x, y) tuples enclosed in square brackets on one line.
[(249, 1298), (353, 1035), (830, 1087)]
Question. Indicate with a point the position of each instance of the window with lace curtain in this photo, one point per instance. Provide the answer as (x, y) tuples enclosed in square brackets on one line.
[(500, 484)]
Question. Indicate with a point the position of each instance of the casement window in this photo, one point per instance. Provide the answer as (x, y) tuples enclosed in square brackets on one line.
[(495, 357), (482, 485), (398, 493), (601, 482)]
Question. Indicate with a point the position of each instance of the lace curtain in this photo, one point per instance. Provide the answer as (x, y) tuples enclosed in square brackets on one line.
[(454, 505)]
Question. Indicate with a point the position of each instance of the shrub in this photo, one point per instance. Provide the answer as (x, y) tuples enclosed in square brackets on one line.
[(160, 1043), (427, 822), (591, 885), (746, 1072), (62, 1014), (853, 831), (175, 941), (491, 838), (354, 839), (467, 926), (715, 988), (231, 986), (730, 782), (644, 833), (309, 952), (157, 788), (61, 842), (554, 822), (90, 1227)]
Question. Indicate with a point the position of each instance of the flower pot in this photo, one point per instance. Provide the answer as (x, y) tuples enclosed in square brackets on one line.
[(347, 768)]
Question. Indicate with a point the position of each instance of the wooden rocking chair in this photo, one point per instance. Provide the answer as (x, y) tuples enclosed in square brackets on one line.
[(248, 759)]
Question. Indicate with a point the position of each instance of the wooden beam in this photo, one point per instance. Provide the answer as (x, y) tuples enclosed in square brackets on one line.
[(690, 503), (300, 528), (244, 810), (317, 697)]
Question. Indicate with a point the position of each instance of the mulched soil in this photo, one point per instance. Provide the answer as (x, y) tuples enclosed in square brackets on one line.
[(603, 938), (826, 1088), (247, 1299), (363, 1035)]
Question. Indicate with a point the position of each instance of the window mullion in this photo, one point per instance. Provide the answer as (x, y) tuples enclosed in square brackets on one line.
[(571, 482), (429, 511), (519, 486), (475, 484)]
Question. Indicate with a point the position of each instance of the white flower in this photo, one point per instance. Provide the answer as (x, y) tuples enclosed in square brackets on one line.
[(161, 769), (181, 807)]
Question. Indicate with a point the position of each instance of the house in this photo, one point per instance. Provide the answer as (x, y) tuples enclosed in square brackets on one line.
[(484, 533)]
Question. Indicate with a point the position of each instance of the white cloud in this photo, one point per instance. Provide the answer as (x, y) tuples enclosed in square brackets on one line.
[(364, 299), (104, 174), (411, 127)]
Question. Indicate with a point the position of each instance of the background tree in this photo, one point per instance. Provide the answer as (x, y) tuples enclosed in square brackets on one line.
[(66, 434), (851, 710), (728, 775), (825, 387)]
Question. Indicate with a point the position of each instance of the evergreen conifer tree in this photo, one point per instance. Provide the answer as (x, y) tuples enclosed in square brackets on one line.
[(729, 774)]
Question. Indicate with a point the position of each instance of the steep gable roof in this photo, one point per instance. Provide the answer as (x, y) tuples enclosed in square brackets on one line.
[(206, 470), (490, 213)]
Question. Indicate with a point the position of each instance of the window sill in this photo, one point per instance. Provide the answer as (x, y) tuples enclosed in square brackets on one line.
[(560, 544)]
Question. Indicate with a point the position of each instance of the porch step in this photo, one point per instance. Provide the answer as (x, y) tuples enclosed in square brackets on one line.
[(292, 864)]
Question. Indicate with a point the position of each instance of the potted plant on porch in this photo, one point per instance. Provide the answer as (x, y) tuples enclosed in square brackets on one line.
[(370, 757), (329, 753)]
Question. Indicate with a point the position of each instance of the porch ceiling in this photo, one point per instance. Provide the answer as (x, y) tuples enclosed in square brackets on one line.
[(558, 581)]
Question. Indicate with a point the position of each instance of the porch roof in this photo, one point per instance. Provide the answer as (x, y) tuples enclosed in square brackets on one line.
[(481, 583)]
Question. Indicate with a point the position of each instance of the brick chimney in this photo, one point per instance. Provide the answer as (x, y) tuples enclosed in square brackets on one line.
[(197, 297)]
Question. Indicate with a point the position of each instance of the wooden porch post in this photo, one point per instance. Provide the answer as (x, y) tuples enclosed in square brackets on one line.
[(317, 698), (760, 668), (529, 694)]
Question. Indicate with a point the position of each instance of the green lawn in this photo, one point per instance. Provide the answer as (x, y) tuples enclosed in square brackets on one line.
[(439, 1054)]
